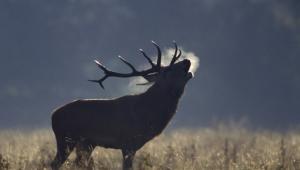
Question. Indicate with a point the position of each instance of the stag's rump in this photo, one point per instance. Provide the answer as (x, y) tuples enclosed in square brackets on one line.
[(99, 121)]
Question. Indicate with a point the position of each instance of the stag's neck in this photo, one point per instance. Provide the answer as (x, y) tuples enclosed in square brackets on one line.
[(163, 96), (162, 104)]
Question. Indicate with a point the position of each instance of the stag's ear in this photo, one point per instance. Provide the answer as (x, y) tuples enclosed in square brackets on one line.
[(151, 77)]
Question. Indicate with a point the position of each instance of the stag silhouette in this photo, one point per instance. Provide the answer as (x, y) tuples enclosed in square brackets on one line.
[(125, 123)]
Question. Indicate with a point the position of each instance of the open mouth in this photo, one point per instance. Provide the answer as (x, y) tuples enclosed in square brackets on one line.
[(186, 69), (187, 66)]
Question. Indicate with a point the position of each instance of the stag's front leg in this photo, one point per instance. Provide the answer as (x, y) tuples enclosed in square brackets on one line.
[(128, 156), (83, 155), (64, 148)]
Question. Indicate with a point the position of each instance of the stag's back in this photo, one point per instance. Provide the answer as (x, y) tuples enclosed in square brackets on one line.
[(92, 118)]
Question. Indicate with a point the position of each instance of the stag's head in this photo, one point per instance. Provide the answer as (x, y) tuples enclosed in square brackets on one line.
[(173, 76)]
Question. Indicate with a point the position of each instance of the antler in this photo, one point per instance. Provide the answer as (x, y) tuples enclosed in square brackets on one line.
[(154, 67), (175, 56)]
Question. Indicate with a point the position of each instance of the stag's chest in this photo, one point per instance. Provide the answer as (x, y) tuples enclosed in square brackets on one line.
[(151, 123)]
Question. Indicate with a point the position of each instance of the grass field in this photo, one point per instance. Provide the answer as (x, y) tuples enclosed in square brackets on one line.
[(208, 148)]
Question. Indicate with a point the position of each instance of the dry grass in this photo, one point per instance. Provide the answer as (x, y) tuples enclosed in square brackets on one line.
[(216, 148)]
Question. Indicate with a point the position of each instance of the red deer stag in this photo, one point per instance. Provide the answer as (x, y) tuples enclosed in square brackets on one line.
[(124, 123)]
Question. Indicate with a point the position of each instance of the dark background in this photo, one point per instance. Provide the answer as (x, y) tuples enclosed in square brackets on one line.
[(249, 52)]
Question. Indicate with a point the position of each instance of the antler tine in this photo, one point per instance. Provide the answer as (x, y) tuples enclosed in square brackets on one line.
[(100, 81), (108, 73), (127, 63), (178, 54), (158, 63), (148, 59), (100, 65), (174, 58)]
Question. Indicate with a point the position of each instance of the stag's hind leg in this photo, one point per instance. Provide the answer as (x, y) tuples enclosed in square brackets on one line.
[(83, 155), (64, 148)]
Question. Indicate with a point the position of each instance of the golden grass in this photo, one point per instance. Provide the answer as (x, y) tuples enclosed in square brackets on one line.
[(225, 148)]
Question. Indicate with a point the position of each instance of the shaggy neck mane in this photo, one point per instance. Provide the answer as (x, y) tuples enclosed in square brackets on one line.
[(161, 103)]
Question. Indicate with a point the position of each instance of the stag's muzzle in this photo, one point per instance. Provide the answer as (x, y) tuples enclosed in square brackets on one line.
[(187, 64)]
